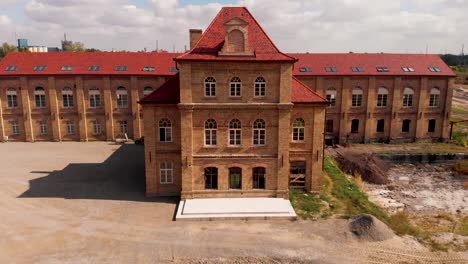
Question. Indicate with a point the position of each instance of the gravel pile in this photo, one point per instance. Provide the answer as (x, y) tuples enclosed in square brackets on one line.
[(366, 227)]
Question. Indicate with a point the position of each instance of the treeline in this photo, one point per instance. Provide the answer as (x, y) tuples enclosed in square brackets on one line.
[(455, 60)]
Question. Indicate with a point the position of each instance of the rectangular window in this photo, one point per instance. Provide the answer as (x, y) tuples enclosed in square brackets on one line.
[(123, 127), (431, 126), (12, 101), (356, 100), (234, 137), (331, 98), (408, 69), (210, 136), (67, 68), (407, 100), (298, 134), (14, 128), (70, 128), (67, 101), (43, 128), (331, 69), (405, 128), (165, 134), (382, 100), (96, 127), (122, 101), (380, 126), (211, 178), (357, 69), (40, 68), (355, 126), (94, 68), (166, 173), (259, 136), (329, 126), (258, 178), (434, 69), (434, 100), (382, 69), (40, 100), (94, 100), (149, 69), (11, 68)]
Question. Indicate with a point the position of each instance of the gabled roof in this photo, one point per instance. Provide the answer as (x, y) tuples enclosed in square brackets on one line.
[(302, 94), (212, 40), (317, 62), (81, 61), (167, 93)]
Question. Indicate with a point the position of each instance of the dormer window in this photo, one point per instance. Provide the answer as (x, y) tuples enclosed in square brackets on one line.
[(149, 69), (121, 68), (173, 69), (40, 68), (11, 68), (382, 69), (94, 68), (434, 69), (236, 40), (305, 69), (67, 68), (357, 69), (408, 69)]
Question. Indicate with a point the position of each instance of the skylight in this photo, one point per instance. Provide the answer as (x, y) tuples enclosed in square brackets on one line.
[(331, 69), (173, 69), (11, 68), (40, 68), (408, 69), (305, 69), (434, 69), (149, 69), (357, 69), (382, 69), (121, 68), (67, 68), (94, 68)]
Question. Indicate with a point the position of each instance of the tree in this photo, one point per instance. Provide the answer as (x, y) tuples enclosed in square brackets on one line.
[(75, 47), (6, 48)]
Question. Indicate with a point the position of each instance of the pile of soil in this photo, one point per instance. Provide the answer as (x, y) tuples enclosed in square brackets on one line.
[(369, 166), (369, 228)]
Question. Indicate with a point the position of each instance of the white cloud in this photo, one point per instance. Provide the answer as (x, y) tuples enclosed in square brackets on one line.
[(295, 26)]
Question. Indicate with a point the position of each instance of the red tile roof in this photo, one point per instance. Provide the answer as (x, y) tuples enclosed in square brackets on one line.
[(369, 62), (213, 38), (80, 61), (167, 93), (302, 94)]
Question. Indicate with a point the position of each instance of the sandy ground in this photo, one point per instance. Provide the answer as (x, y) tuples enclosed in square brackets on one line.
[(84, 203)]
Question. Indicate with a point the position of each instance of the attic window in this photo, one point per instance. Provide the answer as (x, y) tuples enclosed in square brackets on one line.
[(305, 69), (357, 69), (94, 68), (149, 69), (40, 68), (331, 69), (121, 68), (67, 68), (434, 69), (382, 69), (11, 68), (408, 69), (173, 69)]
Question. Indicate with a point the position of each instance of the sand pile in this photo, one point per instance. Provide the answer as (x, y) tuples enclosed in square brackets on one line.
[(367, 227)]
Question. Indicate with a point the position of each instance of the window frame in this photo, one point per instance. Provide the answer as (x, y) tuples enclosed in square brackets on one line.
[(298, 131), (260, 87), (235, 171), (408, 97), (356, 97), (235, 87), (211, 173), (70, 127), (121, 94), (67, 98), (434, 98), (43, 128), (94, 97), (259, 178), (259, 133), (211, 133), (168, 171), (165, 125), (15, 128), (331, 95), (97, 128), (123, 127), (40, 97), (382, 97), (12, 98), (210, 87), (235, 133)]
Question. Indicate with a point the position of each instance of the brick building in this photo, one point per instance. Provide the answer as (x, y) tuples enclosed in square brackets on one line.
[(94, 96)]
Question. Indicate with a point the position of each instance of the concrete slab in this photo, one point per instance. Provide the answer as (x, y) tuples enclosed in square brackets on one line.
[(235, 208)]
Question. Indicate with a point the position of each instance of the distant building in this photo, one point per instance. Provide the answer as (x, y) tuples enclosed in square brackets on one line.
[(22, 43)]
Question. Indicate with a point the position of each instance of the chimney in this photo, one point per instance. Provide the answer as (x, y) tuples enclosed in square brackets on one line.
[(195, 35)]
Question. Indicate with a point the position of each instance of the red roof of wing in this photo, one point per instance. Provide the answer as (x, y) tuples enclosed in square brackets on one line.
[(167, 93), (301, 93), (213, 38), (135, 61), (369, 61)]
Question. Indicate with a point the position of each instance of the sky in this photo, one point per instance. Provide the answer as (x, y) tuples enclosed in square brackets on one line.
[(316, 26)]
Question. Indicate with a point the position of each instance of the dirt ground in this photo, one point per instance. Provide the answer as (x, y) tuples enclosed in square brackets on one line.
[(84, 203)]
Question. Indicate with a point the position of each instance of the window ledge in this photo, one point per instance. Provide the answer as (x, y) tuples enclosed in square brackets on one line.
[(235, 97)]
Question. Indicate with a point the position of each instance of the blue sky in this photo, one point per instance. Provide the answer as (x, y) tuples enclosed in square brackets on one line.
[(399, 26)]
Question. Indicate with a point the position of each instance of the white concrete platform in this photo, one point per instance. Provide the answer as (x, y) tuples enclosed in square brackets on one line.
[(235, 208)]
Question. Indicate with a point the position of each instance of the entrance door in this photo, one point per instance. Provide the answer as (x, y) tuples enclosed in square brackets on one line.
[(297, 175)]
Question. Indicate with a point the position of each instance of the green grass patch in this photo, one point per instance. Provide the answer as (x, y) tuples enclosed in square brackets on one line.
[(460, 138), (459, 110), (462, 167), (306, 205)]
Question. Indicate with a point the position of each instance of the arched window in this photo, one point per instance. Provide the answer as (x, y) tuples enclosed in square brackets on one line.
[(122, 97), (405, 128), (210, 132), (40, 97), (259, 132), (382, 97), (258, 175), (235, 128), (12, 98), (236, 85), (408, 97), (298, 130), (67, 97), (210, 87), (165, 130), (70, 127), (147, 90), (260, 87), (434, 97), (356, 99), (211, 178), (235, 178), (331, 96), (355, 126), (94, 97), (236, 41)]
